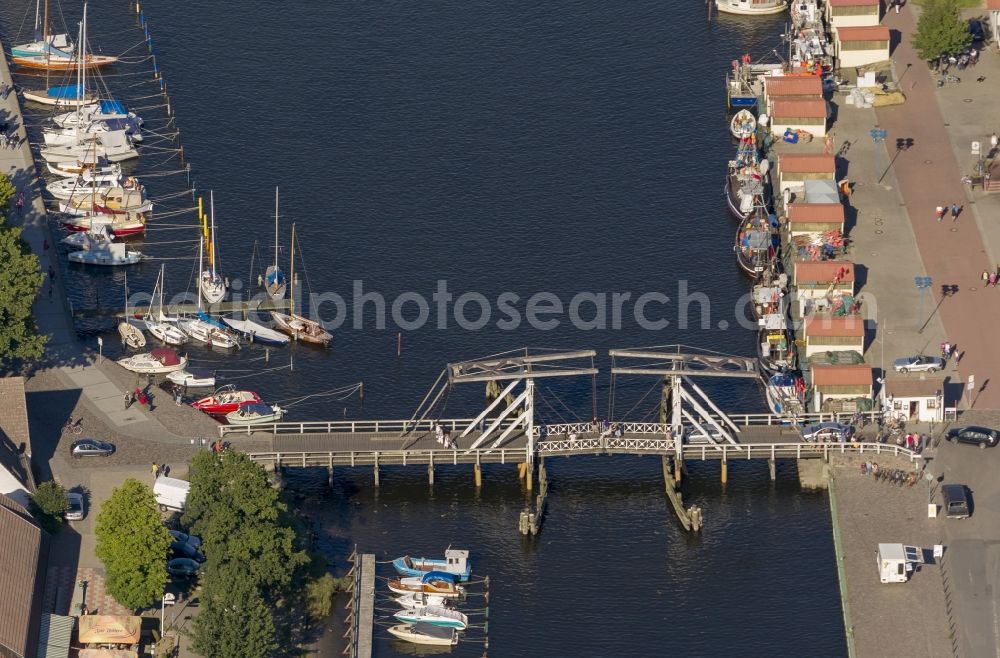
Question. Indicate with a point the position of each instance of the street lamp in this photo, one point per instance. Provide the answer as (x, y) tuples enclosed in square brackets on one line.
[(168, 599), (923, 284), (878, 138)]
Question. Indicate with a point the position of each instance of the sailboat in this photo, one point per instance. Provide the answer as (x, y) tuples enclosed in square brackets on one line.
[(116, 200), (160, 325), (67, 188), (256, 332), (131, 335), (109, 254), (299, 327), (55, 52), (212, 286), (121, 225), (274, 278), (206, 332)]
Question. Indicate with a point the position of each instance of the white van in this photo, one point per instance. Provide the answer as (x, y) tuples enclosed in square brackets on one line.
[(171, 493)]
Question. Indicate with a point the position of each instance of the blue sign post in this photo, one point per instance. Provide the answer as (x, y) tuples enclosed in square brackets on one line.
[(878, 138), (923, 285)]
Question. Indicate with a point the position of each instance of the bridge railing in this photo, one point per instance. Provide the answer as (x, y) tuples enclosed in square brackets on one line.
[(332, 458), (355, 426)]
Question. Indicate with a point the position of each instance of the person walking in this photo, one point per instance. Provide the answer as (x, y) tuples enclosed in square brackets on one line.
[(155, 470), (128, 399), (939, 213), (993, 279), (986, 278), (955, 210), (19, 204), (994, 142), (52, 280)]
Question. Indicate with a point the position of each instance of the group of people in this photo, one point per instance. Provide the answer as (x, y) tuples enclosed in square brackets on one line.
[(444, 437), (990, 278), (138, 396), (159, 469), (947, 349), (941, 211)]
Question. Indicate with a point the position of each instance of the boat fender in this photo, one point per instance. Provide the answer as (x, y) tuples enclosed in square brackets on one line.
[(764, 166), (763, 120)]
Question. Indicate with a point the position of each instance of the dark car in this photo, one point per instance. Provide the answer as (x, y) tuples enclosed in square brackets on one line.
[(834, 432), (185, 538), (982, 436), (182, 567), (956, 501), (977, 31), (184, 549), (91, 448)]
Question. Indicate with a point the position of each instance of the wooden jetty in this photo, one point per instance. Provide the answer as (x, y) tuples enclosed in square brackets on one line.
[(361, 607)]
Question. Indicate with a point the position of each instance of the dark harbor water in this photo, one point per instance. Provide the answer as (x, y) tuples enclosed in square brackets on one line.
[(502, 148)]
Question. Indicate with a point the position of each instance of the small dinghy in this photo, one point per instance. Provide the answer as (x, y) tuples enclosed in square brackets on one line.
[(193, 378), (160, 360), (435, 615), (434, 582), (455, 563), (256, 332), (743, 124), (131, 336), (425, 634), (255, 414)]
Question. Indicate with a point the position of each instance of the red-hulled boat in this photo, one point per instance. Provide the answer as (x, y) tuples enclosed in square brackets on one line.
[(226, 400)]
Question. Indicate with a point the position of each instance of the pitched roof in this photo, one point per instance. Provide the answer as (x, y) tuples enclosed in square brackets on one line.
[(823, 271), (846, 375), (852, 3), (810, 108), (15, 443), (816, 213), (993, 4), (863, 33), (827, 325), (20, 592), (794, 85), (914, 388), (806, 163)]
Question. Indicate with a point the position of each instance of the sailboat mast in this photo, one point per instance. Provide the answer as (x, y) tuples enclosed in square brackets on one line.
[(36, 15), (276, 227), (211, 240), (291, 274), (201, 256)]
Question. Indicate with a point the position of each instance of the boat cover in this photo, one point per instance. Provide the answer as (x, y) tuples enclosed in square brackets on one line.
[(773, 322), (208, 319), (166, 356), (113, 107), (757, 239), (430, 630), (66, 91), (439, 575), (275, 276), (783, 379), (255, 408)]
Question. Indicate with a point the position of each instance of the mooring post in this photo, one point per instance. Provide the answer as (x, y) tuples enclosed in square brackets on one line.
[(522, 471), (430, 470), (522, 523), (678, 465), (376, 469), (329, 477), (543, 478), (477, 471), (772, 468), (530, 469), (725, 471)]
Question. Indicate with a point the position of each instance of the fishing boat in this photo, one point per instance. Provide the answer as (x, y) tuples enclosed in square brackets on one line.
[(422, 633), (298, 327), (114, 201), (255, 413), (770, 295), (419, 599), (120, 225), (108, 254), (455, 562), (431, 583), (132, 337), (226, 400), (751, 7), (743, 125), (757, 242), (435, 615), (785, 393), (274, 278), (161, 326), (775, 344), (159, 360), (211, 284), (746, 181), (192, 378), (256, 332)]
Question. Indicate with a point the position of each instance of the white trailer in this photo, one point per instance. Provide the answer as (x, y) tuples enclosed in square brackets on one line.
[(171, 493), (895, 562)]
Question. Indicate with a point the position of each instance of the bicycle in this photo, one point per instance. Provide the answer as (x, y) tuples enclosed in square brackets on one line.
[(73, 426)]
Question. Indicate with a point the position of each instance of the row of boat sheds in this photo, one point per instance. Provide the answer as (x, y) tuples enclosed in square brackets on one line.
[(431, 601), (88, 144), (790, 211)]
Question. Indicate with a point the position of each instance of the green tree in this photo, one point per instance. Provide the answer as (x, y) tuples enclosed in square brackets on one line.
[(941, 29), (20, 280), (234, 618), (48, 504), (132, 543)]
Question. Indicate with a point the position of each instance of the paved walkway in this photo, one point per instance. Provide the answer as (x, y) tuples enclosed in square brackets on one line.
[(953, 252)]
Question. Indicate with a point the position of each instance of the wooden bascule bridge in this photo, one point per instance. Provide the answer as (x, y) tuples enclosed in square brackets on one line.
[(506, 430)]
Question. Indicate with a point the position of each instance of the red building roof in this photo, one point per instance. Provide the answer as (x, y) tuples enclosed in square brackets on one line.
[(816, 213), (794, 85), (824, 271), (863, 33), (828, 325), (851, 375), (812, 109), (806, 163)]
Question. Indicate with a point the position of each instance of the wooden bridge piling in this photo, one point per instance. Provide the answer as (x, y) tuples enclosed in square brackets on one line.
[(725, 472), (772, 469)]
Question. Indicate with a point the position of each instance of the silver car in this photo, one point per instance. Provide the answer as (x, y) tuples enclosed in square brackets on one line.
[(75, 511), (828, 432), (918, 363)]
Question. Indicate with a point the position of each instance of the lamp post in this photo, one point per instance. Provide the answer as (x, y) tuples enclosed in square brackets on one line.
[(923, 284), (168, 599), (878, 138)]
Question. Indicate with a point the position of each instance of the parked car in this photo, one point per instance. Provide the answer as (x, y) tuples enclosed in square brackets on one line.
[(186, 538), (830, 431), (184, 549), (91, 448), (918, 363), (977, 31), (956, 501), (75, 511), (182, 567), (982, 436)]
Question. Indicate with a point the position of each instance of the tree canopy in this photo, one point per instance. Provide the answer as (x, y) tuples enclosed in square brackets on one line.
[(133, 543), (941, 30), (48, 504), (20, 279), (254, 567)]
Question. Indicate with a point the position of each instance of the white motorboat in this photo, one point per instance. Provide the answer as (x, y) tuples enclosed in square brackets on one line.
[(193, 378), (256, 332), (435, 615), (131, 336), (67, 188), (425, 634), (428, 584), (743, 125), (109, 254), (751, 7), (255, 414), (203, 332), (419, 600), (211, 283), (159, 360)]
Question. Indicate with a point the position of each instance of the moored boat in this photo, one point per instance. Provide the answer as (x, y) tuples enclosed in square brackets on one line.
[(120, 226), (192, 378), (60, 96), (421, 633), (431, 583), (255, 413), (109, 254), (297, 326), (51, 63), (131, 336), (743, 125), (455, 562), (226, 400), (757, 242), (434, 615), (114, 201), (751, 7), (159, 360), (746, 181), (775, 344), (785, 394), (256, 332), (419, 599)]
